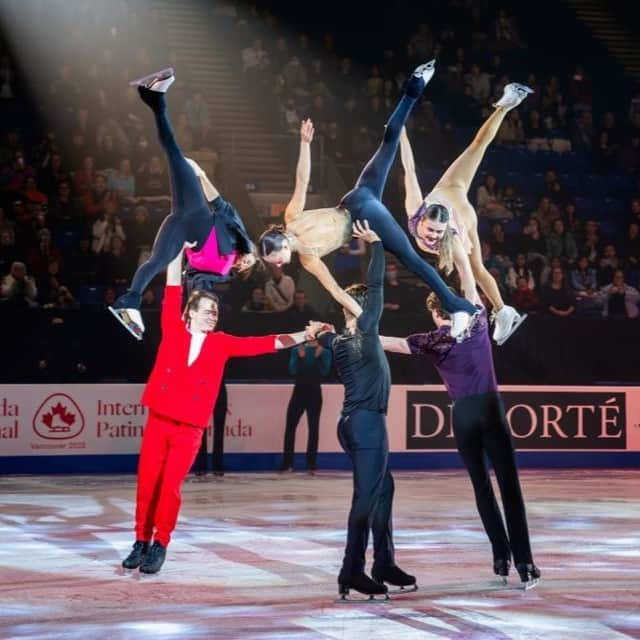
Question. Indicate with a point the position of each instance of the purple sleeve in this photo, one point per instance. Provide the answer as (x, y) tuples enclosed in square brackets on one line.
[(433, 344)]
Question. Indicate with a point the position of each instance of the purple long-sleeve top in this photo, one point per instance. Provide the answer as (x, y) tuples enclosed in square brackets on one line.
[(466, 367)]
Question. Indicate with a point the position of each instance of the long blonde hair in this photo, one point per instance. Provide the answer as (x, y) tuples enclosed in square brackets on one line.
[(445, 255)]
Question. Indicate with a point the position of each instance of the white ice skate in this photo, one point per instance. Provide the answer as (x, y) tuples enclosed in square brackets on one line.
[(513, 94), (159, 81), (426, 71), (131, 320), (506, 321)]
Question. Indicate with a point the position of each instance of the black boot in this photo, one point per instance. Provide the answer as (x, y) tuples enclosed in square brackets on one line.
[(529, 574), (362, 583), (501, 568), (154, 559), (153, 99), (137, 555), (394, 576)]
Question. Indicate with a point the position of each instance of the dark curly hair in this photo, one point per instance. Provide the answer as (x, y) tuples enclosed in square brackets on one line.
[(358, 292)]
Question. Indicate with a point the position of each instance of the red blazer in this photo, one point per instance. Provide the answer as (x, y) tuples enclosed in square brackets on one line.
[(188, 393)]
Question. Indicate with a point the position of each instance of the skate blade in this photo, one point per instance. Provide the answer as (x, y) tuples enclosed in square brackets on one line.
[(147, 80), (530, 584), (380, 598), (517, 322), (397, 591), (123, 318)]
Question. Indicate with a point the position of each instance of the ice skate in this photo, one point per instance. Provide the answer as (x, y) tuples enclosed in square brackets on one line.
[(513, 95), (506, 321), (395, 577), (159, 81), (425, 71), (363, 584), (501, 568), (529, 575), (154, 559), (137, 555), (131, 320)]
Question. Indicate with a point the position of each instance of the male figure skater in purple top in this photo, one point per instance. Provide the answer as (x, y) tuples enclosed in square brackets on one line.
[(480, 427)]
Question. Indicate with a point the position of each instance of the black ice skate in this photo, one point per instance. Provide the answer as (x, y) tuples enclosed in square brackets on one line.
[(363, 584), (396, 577), (501, 568), (529, 575), (137, 555), (154, 558)]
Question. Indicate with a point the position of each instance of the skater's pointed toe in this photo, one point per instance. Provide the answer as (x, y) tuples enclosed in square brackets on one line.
[(513, 94), (131, 320), (425, 71), (159, 81)]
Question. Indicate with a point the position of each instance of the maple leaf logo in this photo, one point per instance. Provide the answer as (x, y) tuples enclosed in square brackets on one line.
[(64, 416)]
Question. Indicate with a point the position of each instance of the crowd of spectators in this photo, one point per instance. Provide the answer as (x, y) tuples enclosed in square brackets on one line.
[(558, 198)]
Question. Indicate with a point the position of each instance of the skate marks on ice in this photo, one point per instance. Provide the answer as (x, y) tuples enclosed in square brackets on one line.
[(257, 557)]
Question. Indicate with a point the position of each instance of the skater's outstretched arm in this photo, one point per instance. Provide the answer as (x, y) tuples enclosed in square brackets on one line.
[(370, 318), (303, 174), (395, 345), (465, 273), (413, 193), (319, 269), (174, 268)]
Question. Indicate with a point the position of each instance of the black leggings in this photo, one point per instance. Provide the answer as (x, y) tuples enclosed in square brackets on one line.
[(480, 428), (190, 218), (364, 203)]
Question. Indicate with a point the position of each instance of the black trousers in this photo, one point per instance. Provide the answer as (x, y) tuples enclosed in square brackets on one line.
[(305, 397), (219, 419), (363, 436), (481, 431)]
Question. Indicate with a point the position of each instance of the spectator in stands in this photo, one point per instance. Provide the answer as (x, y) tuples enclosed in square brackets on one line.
[(630, 247), (40, 256), (149, 300), (139, 232), (498, 242), (524, 297), (397, 294), (99, 198), (489, 201), (197, 111), (584, 284), (52, 173), (254, 58), (5, 223), (557, 298), (152, 179), (279, 290), (301, 312), (619, 299), (609, 264), (115, 264), (545, 214), (520, 269), (257, 301), (535, 132), (512, 200), (84, 178), (591, 246), (64, 213), (32, 194), (583, 139), (18, 288), (106, 227), (122, 182), (561, 244)]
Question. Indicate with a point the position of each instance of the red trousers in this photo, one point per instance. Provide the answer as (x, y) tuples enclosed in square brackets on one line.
[(167, 453)]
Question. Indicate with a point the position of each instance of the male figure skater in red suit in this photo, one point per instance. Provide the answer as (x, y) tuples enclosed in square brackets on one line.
[(180, 395)]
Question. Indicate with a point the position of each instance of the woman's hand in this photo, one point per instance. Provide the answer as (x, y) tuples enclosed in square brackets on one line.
[(361, 229), (306, 131)]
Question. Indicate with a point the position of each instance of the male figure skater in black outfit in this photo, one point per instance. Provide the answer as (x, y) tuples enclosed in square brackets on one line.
[(364, 371)]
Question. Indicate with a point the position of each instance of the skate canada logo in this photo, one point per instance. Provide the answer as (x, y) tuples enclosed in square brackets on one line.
[(561, 420), (58, 418)]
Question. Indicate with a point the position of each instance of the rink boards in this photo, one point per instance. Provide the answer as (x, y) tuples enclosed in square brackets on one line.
[(66, 428)]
